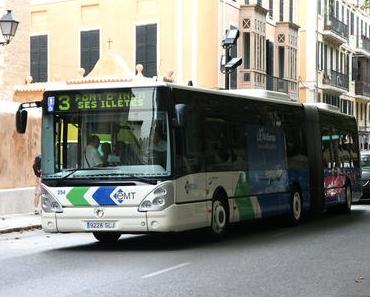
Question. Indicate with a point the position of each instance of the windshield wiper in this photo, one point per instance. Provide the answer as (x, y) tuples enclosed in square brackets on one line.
[(139, 178), (131, 176), (74, 170)]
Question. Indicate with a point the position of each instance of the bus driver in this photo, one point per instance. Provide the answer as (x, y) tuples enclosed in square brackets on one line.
[(92, 157)]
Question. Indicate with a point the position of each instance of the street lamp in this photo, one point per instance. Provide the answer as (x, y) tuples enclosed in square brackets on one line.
[(8, 27), (229, 65)]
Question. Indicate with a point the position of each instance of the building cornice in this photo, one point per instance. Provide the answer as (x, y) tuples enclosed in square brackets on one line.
[(290, 25), (257, 8)]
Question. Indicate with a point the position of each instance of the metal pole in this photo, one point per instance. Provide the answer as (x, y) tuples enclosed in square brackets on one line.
[(227, 74)]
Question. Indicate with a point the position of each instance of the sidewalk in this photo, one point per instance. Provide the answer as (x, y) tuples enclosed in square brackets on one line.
[(19, 222)]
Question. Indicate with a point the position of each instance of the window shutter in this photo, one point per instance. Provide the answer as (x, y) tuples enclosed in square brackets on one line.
[(146, 48), (151, 50), (90, 51), (39, 58)]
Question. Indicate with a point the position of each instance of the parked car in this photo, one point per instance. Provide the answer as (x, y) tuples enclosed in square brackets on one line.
[(365, 175)]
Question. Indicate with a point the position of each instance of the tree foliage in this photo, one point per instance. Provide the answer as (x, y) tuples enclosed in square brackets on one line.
[(366, 4)]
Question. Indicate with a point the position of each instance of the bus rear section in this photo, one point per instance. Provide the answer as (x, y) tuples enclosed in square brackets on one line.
[(334, 158)]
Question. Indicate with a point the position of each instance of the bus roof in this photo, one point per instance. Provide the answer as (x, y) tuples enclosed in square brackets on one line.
[(253, 94), (97, 86)]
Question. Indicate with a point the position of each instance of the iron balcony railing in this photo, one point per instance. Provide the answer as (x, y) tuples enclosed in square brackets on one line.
[(336, 26), (363, 129), (276, 84), (362, 88), (336, 79), (365, 44)]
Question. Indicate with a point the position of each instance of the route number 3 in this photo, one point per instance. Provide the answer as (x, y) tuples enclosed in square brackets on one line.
[(64, 103)]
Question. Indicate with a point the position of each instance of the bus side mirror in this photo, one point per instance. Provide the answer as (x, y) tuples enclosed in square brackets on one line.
[(181, 114), (21, 121)]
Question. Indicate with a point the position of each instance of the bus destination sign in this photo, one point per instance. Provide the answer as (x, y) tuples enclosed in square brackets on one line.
[(93, 101)]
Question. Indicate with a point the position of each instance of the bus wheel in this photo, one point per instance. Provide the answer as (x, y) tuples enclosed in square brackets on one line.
[(107, 237), (296, 208), (219, 218), (345, 208)]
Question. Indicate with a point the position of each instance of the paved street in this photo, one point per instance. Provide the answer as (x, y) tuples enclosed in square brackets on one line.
[(328, 256)]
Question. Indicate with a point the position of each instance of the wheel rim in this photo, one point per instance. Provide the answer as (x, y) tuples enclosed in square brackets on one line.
[(296, 206), (348, 197), (219, 217)]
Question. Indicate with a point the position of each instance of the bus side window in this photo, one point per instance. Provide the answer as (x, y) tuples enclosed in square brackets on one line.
[(353, 152), (326, 147), (344, 150), (239, 145), (217, 141), (193, 156), (295, 147)]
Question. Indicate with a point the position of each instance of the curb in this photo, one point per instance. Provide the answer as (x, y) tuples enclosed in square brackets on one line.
[(18, 229)]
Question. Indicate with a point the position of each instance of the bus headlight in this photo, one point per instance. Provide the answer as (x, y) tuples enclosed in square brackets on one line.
[(49, 203), (159, 199)]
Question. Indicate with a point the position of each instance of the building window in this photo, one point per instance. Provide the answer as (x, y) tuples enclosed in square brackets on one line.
[(357, 31), (352, 23), (366, 29), (281, 12), (233, 76), (146, 48), (347, 17), (90, 49), (320, 56), (269, 58), (247, 50), (291, 11), (39, 58), (281, 61), (331, 59), (271, 8)]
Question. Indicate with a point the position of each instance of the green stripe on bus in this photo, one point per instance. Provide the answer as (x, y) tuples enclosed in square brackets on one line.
[(244, 204), (76, 196), (245, 207)]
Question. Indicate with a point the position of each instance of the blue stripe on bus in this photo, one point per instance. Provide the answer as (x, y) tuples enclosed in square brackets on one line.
[(102, 196)]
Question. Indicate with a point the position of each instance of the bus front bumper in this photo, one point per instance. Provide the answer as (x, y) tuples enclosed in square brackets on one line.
[(126, 219)]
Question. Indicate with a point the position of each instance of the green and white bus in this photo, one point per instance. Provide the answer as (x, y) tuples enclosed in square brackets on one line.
[(223, 157)]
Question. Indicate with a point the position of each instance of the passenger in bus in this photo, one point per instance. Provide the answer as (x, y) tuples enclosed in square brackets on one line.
[(159, 147), (159, 141), (326, 155), (37, 171), (106, 151), (92, 158)]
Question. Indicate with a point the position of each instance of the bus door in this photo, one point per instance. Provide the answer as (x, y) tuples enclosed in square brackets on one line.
[(218, 156), (191, 184)]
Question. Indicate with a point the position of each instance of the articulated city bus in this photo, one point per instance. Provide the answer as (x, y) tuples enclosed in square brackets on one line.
[(179, 158)]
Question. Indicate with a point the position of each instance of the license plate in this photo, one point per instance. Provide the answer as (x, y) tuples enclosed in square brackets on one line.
[(100, 225)]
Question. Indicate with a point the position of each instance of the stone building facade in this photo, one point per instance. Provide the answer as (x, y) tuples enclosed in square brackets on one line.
[(16, 151)]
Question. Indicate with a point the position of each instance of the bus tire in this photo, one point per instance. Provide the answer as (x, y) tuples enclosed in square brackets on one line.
[(296, 208), (107, 237), (345, 208), (219, 219)]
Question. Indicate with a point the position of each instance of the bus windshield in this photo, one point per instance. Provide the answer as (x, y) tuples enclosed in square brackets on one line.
[(108, 135)]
